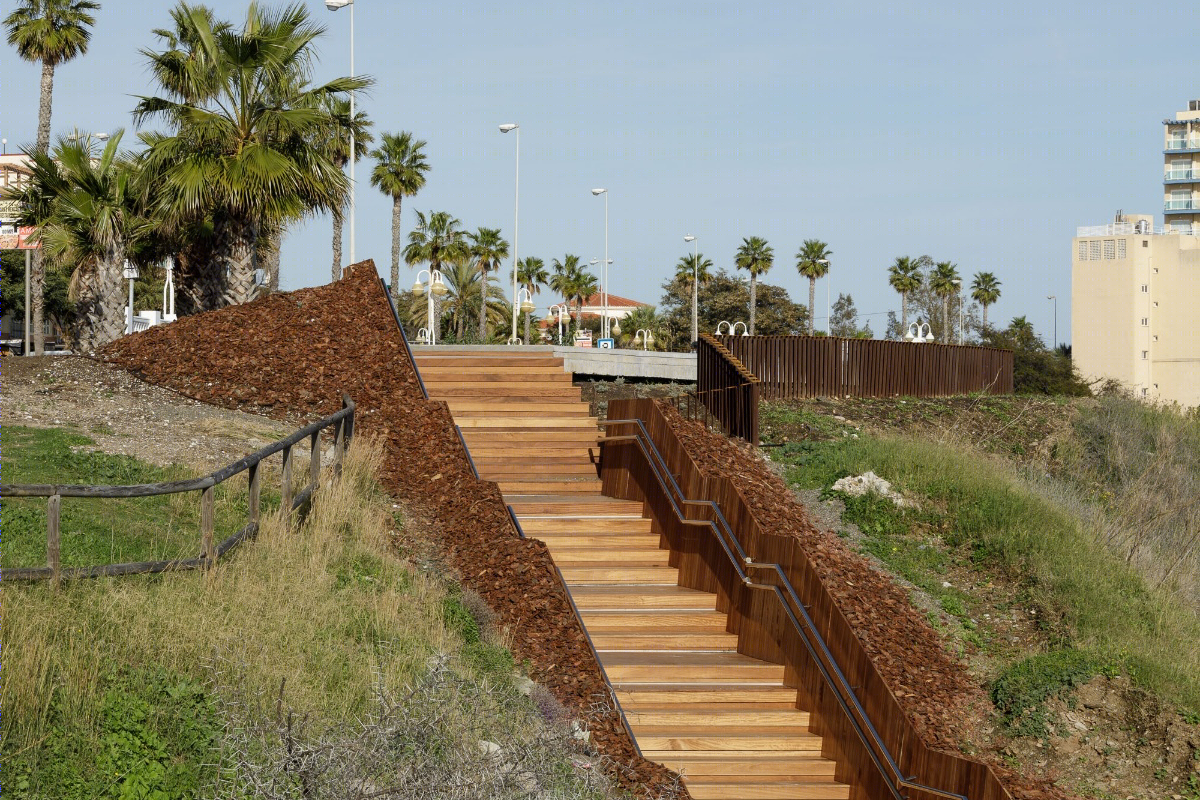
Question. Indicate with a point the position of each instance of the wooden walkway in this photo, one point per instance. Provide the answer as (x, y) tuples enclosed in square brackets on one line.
[(723, 720)]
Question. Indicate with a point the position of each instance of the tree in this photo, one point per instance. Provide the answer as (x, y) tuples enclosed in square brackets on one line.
[(574, 283), (843, 320), (694, 268), (812, 261), (531, 273), (756, 257), (400, 173), (644, 318), (436, 239), (244, 148), (985, 290), (724, 297), (905, 277), (489, 249), (343, 129), (84, 208), (945, 283), (52, 32), (1036, 369), (12, 294)]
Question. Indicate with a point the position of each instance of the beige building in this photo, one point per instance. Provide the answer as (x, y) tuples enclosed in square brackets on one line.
[(1181, 171), (1135, 296)]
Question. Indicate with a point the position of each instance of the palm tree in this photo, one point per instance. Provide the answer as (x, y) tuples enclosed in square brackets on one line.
[(489, 249), (985, 290), (697, 269), (905, 277), (574, 282), (531, 273), (342, 131), (244, 148), (644, 318), (945, 283), (436, 239), (400, 173), (812, 261), (85, 209), (52, 32), (756, 257)]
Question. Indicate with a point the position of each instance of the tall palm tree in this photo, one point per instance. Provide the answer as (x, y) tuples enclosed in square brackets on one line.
[(648, 319), (85, 209), (985, 290), (488, 249), (52, 32), (756, 257), (243, 147), (437, 239), (531, 273), (905, 277), (697, 269), (342, 131), (812, 261), (400, 173), (574, 282), (945, 283)]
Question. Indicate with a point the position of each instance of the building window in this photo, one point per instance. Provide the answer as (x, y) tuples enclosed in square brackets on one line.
[(1145, 354), (1120, 248), (1082, 254), (1145, 288), (1145, 392), (1145, 321), (1156, 270), (1145, 242), (1156, 304), (1094, 250), (1156, 338), (1110, 249)]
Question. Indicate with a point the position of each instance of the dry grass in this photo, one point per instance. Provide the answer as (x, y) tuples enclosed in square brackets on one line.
[(326, 607)]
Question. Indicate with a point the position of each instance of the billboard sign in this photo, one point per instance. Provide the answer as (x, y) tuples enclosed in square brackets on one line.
[(10, 210), (23, 235)]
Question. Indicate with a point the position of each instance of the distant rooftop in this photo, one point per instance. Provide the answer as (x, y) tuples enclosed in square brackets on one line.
[(1140, 228)]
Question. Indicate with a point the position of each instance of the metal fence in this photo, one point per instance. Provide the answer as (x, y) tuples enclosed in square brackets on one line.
[(807, 366), (725, 389)]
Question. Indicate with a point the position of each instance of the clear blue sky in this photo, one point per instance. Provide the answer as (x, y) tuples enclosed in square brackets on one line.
[(981, 135)]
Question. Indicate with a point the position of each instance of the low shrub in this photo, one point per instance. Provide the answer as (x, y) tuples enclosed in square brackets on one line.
[(1021, 691)]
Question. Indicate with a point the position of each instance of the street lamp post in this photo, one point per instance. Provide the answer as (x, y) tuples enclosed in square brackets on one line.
[(1055, 299), (695, 284), (334, 5), (435, 287), (604, 284), (505, 128), (645, 336), (560, 310)]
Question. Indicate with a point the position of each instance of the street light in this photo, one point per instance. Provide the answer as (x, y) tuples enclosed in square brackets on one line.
[(435, 287), (505, 128), (604, 283), (334, 5), (958, 282), (695, 284), (646, 337), (1055, 299), (919, 332), (524, 301), (561, 310)]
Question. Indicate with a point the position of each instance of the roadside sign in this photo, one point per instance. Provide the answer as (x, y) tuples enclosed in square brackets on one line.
[(23, 235), (605, 344), (583, 339), (10, 210)]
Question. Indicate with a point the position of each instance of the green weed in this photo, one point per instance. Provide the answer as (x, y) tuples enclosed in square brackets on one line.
[(1021, 691)]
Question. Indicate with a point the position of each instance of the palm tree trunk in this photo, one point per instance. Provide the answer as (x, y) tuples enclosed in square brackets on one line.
[(483, 287), (695, 303), (946, 319), (812, 300), (337, 244), (985, 327), (396, 247), (44, 104), (100, 318), (753, 297), (232, 283), (274, 252), (903, 313), (37, 272)]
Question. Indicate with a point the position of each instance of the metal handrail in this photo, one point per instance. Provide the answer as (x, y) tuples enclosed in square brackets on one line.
[(404, 338), (842, 690)]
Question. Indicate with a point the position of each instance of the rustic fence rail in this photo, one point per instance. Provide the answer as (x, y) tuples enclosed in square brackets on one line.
[(726, 390), (807, 366), (781, 612), (341, 421)]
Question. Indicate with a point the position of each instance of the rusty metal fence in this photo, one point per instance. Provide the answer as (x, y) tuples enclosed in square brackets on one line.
[(806, 366), (726, 390)]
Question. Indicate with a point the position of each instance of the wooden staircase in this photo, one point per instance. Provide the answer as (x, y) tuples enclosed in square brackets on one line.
[(723, 720)]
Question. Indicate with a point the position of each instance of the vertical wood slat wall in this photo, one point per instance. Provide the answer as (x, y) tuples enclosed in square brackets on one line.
[(807, 366), (761, 626), (727, 389)]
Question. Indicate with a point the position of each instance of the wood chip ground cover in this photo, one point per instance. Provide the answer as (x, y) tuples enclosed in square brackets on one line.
[(294, 354)]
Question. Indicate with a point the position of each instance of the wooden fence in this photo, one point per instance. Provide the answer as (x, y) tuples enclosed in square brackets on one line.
[(341, 421), (807, 366), (781, 613), (726, 390)]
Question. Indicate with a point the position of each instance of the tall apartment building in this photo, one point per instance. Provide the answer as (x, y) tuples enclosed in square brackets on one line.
[(1181, 172)]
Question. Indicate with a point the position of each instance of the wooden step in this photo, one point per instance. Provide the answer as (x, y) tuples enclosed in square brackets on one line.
[(703, 621), (550, 505), (603, 529), (524, 437), (525, 423), (579, 575), (520, 488), (663, 640), (710, 667), (559, 407), (800, 789), (488, 371), (759, 767), (641, 695), (504, 472), (713, 716), (514, 390), (616, 541), (800, 742), (621, 597), (579, 554), (424, 361)]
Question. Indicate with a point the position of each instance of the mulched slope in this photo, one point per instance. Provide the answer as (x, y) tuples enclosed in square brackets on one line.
[(294, 354), (945, 706)]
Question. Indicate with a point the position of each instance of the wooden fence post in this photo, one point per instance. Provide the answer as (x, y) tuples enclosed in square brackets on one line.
[(285, 489), (207, 522), (314, 461), (339, 446), (253, 514), (53, 506)]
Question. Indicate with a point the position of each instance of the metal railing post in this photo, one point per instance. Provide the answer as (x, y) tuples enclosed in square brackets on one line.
[(314, 460), (253, 512)]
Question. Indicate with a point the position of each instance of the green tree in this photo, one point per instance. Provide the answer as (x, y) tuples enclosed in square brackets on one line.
[(400, 173), (574, 282), (1036, 369), (696, 269), (243, 147), (52, 32), (905, 277), (724, 297), (436, 240), (12, 296), (812, 261), (756, 257), (489, 249), (843, 320), (85, 210), (644, 318), (531, 273), (342, 130), (985, 290), (945, 283)]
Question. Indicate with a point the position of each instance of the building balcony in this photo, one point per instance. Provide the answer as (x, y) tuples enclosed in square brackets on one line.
[(1181, 206), (1183, 146), (1181, 176)]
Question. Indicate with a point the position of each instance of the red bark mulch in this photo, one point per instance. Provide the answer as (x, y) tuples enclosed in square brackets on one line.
[(294, 354)]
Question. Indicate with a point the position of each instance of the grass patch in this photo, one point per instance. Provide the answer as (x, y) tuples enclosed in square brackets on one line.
[(989, 515), (103, 531), (1021, 691)]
